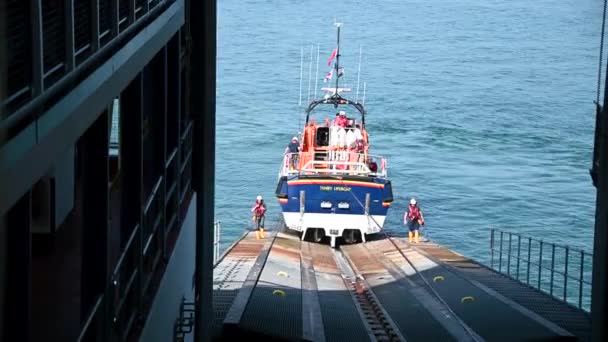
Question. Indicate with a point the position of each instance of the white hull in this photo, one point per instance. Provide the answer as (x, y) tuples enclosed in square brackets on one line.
[(337, 223)]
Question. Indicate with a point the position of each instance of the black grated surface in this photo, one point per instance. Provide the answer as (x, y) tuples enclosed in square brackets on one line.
[(341, 320), (574, 320), (222, 301), (224, 297), (566, 316), (272, 314), (412, 318)]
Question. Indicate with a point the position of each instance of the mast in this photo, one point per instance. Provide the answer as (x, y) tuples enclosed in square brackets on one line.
[(337, 66)]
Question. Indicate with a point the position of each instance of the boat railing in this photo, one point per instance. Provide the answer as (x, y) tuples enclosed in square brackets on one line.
[(336, 162)]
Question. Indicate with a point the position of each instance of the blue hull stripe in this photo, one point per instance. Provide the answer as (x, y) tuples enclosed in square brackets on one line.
[(335, 194)]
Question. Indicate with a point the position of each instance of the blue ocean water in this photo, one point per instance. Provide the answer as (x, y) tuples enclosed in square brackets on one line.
[(484, 108)]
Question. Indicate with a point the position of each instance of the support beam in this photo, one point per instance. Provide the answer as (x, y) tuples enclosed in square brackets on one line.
[(131, 11), (131, 145), (17, 314), (131, 105), (202, 22), (94, 25), (93, 151), (599, 295), (163, 131)]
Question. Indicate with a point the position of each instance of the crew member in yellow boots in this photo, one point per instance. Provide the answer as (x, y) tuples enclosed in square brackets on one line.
[(413, 219), (259, 211)]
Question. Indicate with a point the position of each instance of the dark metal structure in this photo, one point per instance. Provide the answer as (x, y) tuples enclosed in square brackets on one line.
[(96, 238), (599, 176), (599, 173)]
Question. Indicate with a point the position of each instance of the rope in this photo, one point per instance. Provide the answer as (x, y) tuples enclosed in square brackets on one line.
[(599, 72), (422, 232), (361, 204)]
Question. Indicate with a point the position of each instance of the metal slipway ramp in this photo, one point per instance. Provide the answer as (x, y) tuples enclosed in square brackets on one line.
[(281, 288)]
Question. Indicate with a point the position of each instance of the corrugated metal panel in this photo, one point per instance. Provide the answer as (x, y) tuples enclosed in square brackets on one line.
[(82, 23), (104, 19), (123, 14), (53, 19), (140, 4), (16, 40)]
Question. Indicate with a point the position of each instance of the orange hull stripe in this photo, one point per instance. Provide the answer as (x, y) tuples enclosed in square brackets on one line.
[(283, 200), (336, 182), (386, 204)]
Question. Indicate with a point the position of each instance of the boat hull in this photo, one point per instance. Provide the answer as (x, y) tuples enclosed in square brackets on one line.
[(334, 205)]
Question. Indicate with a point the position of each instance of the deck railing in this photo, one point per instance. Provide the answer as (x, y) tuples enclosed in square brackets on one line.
[(561, 271), (339, 162)]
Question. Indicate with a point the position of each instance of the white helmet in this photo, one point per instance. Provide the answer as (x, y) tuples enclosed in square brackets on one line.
[(412, 201), (259, 198), (342, 113), (294, 138)]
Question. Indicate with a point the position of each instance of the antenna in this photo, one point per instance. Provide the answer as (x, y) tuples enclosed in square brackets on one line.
[(309, 74), (359, 73), (301, 64), (364, 89), (317, 72)]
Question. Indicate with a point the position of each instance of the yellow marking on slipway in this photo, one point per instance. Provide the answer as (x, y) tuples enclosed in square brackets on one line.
[(437, 278), (467, 299), (279, 292)]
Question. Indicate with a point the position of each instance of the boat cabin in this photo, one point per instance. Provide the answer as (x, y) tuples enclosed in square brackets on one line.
[(339, 146)]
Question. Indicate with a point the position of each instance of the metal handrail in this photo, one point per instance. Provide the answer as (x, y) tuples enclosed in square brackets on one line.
[(334, 166), (91, 318), (216, 240), (581, 276)]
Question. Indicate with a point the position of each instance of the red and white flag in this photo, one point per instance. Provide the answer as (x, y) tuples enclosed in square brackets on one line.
[(333, 55), (328, 76)]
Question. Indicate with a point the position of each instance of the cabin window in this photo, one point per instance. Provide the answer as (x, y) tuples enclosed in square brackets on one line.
[(322, 136)]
